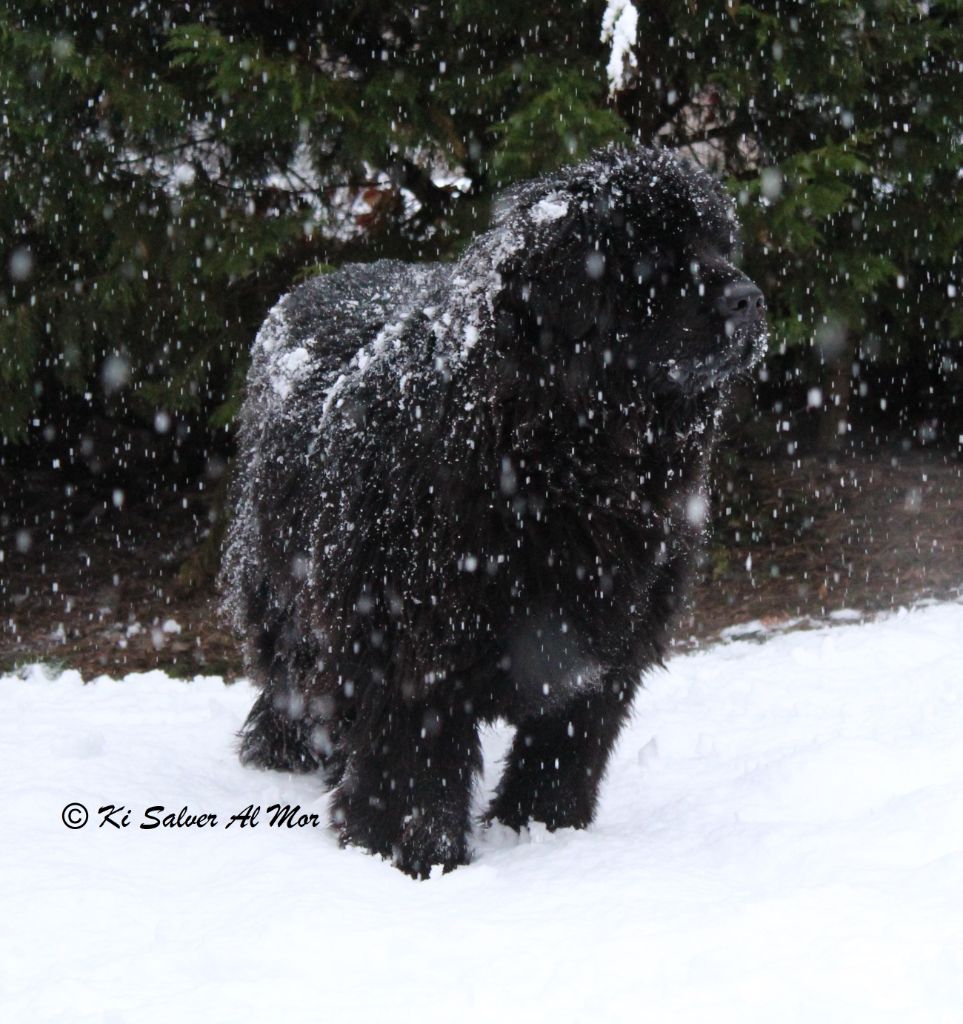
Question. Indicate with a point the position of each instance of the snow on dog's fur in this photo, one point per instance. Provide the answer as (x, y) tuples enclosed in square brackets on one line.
[(474, 490)]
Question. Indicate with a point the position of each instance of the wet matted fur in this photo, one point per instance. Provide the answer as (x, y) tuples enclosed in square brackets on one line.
[(474, 490)]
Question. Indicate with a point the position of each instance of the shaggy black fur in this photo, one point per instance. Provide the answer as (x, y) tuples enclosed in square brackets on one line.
[(474, 490)]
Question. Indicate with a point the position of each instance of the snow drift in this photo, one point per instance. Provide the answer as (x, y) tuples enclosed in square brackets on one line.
[(780, 837)]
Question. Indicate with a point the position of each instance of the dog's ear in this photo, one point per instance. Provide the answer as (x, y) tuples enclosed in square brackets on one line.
[(559, 286)]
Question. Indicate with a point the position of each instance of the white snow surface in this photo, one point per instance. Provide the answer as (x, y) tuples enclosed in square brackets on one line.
[(780, 838)]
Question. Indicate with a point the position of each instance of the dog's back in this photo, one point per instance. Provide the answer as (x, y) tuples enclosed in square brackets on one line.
[(317, 330)]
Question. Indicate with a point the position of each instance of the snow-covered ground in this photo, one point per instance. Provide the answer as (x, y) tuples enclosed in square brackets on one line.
[(780, 839)]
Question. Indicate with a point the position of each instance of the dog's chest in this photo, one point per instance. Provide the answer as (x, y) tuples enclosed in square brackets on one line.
[(548, 665)]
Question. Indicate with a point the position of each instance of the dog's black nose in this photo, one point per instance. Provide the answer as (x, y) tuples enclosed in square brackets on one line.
[(741, 301)]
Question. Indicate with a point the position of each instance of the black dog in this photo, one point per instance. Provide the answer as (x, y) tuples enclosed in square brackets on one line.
[(474, 490)]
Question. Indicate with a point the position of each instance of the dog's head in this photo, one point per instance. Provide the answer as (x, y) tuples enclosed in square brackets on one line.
[(626, 271)]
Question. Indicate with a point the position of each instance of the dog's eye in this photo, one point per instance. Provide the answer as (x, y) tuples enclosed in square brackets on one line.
[(664, 261)]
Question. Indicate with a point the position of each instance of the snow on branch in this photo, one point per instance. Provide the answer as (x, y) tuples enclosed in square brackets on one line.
[(620, 25)]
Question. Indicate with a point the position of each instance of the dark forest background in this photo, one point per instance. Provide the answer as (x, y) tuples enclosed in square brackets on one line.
[(167, 171)]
